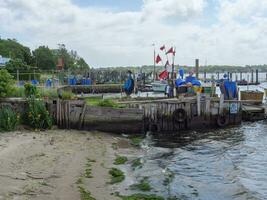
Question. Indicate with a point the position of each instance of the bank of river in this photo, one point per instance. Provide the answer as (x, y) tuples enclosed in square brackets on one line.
[(216, 164)]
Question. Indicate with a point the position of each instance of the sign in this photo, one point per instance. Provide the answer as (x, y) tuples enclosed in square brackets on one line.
[(233, 108)]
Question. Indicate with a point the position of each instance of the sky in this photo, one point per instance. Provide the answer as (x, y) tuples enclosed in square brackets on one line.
[(121, 32)]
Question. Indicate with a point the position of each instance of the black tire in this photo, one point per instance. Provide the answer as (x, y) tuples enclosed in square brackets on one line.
[(222, 120), (179, 115)]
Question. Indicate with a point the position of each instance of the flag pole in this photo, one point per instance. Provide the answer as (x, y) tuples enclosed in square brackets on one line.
[(154, 73), (173, 57), (166, 57)]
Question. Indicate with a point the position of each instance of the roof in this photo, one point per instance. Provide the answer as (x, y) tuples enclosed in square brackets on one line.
[(3, 60)]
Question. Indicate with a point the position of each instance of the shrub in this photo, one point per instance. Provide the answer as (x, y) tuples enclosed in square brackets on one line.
[(30, 90), (6, 83), (8, 119), (37, 115), (108, 103), (67, 95)]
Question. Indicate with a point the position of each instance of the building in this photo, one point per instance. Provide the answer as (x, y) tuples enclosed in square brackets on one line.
[(3, 61)]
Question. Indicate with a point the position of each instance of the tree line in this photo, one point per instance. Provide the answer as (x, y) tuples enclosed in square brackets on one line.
[(41, 58)]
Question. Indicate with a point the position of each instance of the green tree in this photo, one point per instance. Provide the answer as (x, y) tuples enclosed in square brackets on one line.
[(17, 64), (44, 58), (6, 83), (12, 49)]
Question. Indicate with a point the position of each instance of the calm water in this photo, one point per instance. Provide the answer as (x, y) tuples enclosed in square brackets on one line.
[(218, 164)]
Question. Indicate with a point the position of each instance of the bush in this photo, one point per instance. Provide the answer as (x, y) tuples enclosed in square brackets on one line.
[(6, 83), (67, 95), (37, 115), (8, 119), (30, 90)]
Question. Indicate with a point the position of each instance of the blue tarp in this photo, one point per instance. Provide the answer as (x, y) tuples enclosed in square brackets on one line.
[(179, 82), (34, 82), (181, 73), (196, 82), (230, 89), (127, 84), (190, 79), (48, 83)]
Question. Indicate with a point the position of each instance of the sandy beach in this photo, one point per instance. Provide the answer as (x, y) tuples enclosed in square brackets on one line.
[(51, 164)]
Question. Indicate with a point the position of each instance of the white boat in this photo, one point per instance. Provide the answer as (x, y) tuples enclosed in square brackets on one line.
[(159, 86)]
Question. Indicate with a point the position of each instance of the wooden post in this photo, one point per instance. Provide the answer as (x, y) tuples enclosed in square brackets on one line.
[(241, 76), (221, 104), (257, 76), (252, 76), (197, 68), (198, 104), (213, 86)]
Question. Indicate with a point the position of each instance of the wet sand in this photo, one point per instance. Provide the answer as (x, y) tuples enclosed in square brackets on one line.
[(47, 165)]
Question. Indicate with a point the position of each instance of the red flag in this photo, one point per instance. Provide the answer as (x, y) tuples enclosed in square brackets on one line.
[(162, 48), (163, 74), (170, 51), (158, 59)]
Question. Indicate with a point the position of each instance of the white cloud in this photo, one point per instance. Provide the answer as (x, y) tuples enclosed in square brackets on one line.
[(104, 37)]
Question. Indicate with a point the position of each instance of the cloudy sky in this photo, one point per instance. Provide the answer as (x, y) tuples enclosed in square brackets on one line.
[(121, 32)]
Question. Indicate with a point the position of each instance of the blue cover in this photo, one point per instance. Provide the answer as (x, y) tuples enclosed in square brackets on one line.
[(181, 73), (190, 79), (48, 83), (34, 82), (230, 88), (127, 84), (196, 82), (179, 82)]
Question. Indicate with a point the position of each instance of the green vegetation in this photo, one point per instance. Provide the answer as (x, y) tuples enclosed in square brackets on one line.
[(141, 197), (88, 169), (136, 140), (6, 83), (36, 115), (99, 101), (8, 119), (67, 95), (50, 93), (30, 90), (42, 58), (84, 194), (10, 48), (116, 175), (18, 91), (136, 163), (120, 160), (143, 185)]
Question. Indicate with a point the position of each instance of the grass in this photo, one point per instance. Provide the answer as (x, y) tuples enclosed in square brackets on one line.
[(136, 163), (99, 101), (117, 175), (143, 185), (18, 92), (120, 160), (88, 169), (50, 93), (141, 197), (84, 194)]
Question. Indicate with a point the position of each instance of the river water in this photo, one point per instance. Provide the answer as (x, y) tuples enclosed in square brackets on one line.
[(217, 164)]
